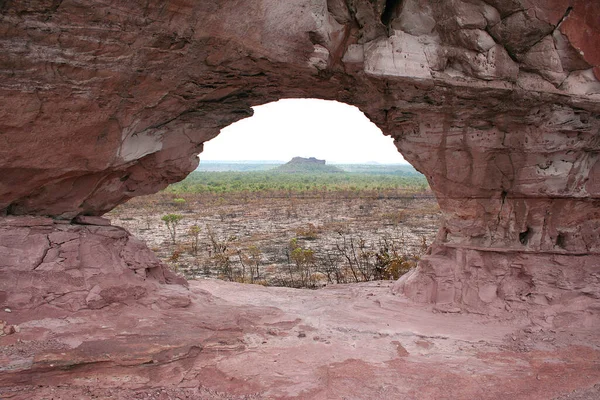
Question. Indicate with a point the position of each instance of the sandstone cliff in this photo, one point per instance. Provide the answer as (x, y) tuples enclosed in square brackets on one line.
[(497, 102)]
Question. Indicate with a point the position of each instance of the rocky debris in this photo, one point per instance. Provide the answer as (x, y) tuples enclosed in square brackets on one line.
[(238, 341), (7, 329)]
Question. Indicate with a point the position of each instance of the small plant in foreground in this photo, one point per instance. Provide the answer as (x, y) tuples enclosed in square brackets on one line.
[(172, 220)]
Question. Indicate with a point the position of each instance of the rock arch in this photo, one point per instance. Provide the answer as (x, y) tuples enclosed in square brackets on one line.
[(496, 102)]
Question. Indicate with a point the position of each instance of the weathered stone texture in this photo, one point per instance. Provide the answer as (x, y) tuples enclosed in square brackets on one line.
[(496, 102), (58, 266)]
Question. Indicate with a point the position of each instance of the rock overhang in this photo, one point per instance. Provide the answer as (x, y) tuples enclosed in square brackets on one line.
[(496, 102)]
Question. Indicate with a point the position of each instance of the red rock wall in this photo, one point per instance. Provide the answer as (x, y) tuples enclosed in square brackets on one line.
[(496, 102), (51, 267)]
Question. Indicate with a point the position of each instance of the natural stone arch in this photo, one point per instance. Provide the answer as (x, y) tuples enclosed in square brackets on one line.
[(492, 101)]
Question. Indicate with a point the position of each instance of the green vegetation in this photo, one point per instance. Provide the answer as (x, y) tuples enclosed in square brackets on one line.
[(220, 166), (171, 221), (244, 166), (194, 233), (272, 181), (381, 169), (300, 229)]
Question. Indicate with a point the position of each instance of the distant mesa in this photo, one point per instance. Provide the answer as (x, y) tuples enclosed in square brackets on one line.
[(302, 160), (311, 164)]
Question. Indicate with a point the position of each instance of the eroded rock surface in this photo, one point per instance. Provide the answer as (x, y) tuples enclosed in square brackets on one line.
[(108, 102), (66, 267), (232, 341), (87, 311), (496, 102)]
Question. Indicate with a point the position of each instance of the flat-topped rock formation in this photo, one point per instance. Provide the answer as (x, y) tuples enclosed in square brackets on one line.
[(307, 165), (309, 160)]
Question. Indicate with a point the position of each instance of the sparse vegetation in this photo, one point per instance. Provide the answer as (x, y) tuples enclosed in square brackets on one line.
[(276, 183), (171, 221), (308, 232), (314, 230), (194, 233)]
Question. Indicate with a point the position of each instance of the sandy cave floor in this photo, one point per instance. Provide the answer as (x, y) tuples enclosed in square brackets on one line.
[(251, 342)]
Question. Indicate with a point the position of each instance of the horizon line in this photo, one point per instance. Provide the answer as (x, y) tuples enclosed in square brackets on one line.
[(328, 162)]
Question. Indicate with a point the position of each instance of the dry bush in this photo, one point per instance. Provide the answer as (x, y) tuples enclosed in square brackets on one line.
[(365, 255), (194, 234), (172, 221), (430, 207), (308, 232), (394, 218), (391, 263)]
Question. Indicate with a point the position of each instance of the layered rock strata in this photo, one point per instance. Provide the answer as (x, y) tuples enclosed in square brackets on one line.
[(53, 267), (237, 341), (497, 102)]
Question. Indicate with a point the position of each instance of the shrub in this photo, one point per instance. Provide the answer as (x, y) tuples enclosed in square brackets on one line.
[(390, 264), (194, 232), (309, 232), (179, 202), (303, 264), (220, 253), (172, 220)]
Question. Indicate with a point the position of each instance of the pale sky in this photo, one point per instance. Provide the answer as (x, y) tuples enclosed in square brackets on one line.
[(327, 130)]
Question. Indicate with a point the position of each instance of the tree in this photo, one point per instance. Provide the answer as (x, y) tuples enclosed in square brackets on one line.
[(148, 210), (172, 220), (304, 262), (179, 202), (221, 252), (194, 232), (255, 256)]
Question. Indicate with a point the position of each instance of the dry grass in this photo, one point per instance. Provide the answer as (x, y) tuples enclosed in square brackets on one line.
[(242, 223)]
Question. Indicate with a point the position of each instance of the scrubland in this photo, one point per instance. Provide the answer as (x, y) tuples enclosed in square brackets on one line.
[(295, 230)]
